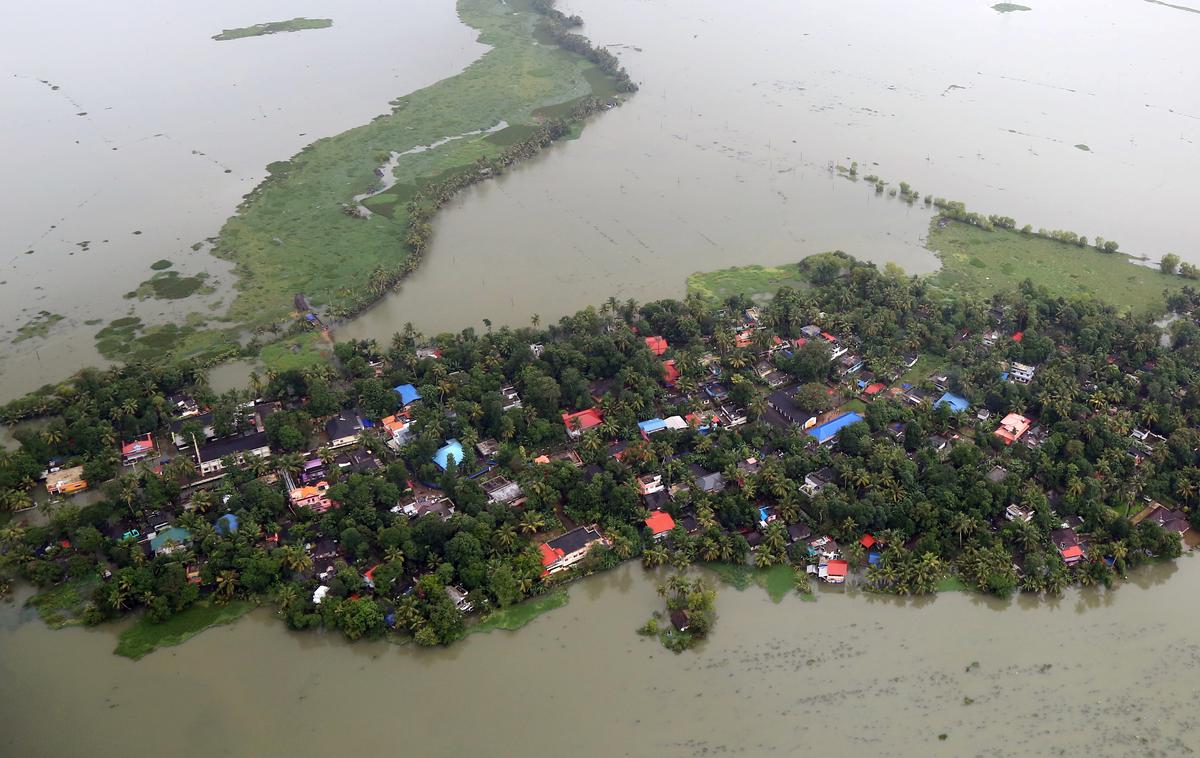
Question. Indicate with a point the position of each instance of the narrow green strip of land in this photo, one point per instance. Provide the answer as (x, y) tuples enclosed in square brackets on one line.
[(293, 233), (145, 636), (516, 616), (274, 27)]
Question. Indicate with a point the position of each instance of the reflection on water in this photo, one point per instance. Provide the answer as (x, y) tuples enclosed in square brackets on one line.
[(1013, 677)]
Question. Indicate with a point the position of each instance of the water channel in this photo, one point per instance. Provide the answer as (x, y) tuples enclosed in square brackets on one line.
[(1095, 673)]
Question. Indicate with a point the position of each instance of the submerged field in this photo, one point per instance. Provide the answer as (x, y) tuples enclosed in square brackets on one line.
[(975, 260), (752, 281), (292, 233)]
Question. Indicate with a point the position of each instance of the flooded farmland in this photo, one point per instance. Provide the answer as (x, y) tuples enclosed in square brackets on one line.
[(1096, 673)]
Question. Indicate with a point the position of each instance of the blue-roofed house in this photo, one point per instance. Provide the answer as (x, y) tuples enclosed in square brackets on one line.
[(227, 524), (827, 431), (453, 449), (956, 403), (408, 394), (169, 540), (650, 426)]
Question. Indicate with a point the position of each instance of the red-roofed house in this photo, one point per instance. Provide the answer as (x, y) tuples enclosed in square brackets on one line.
[(1018, 336), (868, 541), (657, 345), (141, 448), (660, 524), (1072, 554), (1013, 427), (561, 553), (874, 389), (671, 373), (835, 572), (578, 423)]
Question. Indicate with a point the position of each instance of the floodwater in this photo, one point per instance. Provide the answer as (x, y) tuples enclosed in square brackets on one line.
[(131, 135), (723, 156), (1095, 673)]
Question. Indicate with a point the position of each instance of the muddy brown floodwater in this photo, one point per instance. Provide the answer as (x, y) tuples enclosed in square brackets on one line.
[(1093, 673), (723, 158)]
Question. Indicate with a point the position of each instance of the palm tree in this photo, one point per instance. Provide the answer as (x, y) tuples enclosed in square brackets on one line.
[(295, 559), (203, 500), (655, 557), (52, 437), (128, 489), (532, 522), (287, 597), (394, 555), (506, 538), (227, 581), (290, 463)]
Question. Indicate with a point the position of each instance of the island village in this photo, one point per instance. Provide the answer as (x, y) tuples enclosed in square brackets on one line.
[(904, 447)]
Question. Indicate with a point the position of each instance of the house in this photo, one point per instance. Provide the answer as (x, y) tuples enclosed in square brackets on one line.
[(941, 381), (829, 430), (983, 414), (818, 480), (451, 451), (660, 524), (680, 620), (168, 541), (561, 553), (458, 596), (1016, 512), (426, 505), (798, 532), (675, 423), (578, 423), (209, 458), (138, 450), (357, 462), (183, 406), (311, 497), (1172, 521), (313, 471), (783, 402), (398, 432), (997, 475), (509, 399), (656, 500), (671, 373), (850, 363), (489, 448), (991, 338), (502, 491), (731, 415), (834, 572), (66, 481), (896, 429), (707, 481), (408, 394), (1013, 427), (1022, 373), (650, 483), (657, 345), (824, 547), (344, 429), (202, 420), (908, 360), (1068, 545), (428, 352), (651, 426), (939, 443), (956, 403)]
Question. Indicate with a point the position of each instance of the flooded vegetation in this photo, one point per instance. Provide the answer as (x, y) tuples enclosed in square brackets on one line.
[(274, 27)]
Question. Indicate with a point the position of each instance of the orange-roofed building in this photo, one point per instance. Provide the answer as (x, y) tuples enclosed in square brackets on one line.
[(312, 497), (836, 571), (660, 524), (1013, 427), (139, 449), (66, 481), (578, 423), (671, 373), (1072, 554), (868, 541), (561, 553), (874, 389), (399, 431), (657, 345)]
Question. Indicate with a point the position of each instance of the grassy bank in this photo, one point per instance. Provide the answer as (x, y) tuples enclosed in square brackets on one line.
[(752, 281), (274, 27), (63, 605), (777, 580), (516, 616), (986, 262), (145, 637), (292, 234)]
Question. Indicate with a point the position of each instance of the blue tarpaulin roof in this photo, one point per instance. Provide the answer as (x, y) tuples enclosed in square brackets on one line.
[(872, 557), (452, 449), (652, 425), (407, 393), (956, 403), (227, 524), (829, 429)]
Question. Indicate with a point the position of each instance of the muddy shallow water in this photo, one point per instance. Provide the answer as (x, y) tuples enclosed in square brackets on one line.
[(1108, 674)]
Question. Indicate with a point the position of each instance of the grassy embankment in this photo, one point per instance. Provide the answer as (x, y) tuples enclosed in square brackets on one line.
[(63, 604), (983, 262), (292, 235), (516, 616), (778, 581), (144, 637), (274, 27), (986, 262)]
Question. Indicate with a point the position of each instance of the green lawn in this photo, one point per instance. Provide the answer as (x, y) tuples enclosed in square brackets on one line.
[(145, 637), (290, 234), (952, 584), (761, 281), (516, 616), (975, 260), (293, 353)]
